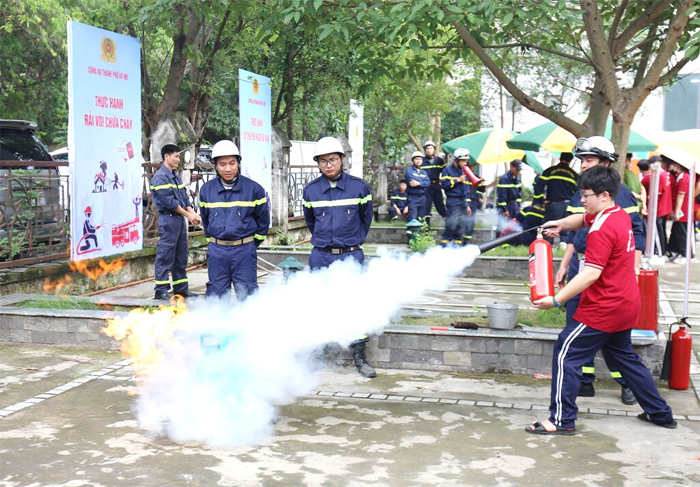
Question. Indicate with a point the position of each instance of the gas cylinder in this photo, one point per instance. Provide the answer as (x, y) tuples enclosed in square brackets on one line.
[(541, 268), (649, 293), (681, 349), (472, 177)]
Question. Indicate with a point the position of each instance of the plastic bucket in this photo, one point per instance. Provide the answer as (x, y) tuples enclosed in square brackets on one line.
[(503, 316)]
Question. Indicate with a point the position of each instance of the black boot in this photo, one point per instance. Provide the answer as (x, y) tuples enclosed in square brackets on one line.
[(358, 355)]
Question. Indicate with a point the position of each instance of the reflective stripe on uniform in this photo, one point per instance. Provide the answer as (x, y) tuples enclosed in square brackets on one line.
[(531, 213), (166, 186), (259, 237), (518, 185), (561, 178), (575, 209), (180, 281), (537, 196), (162, 282), (616, 375), (399, 198), (329, 203), (588, 370), (231, 204), (632, 209)]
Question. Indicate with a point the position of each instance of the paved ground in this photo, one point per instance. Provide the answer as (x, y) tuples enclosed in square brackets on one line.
[(68, 420)]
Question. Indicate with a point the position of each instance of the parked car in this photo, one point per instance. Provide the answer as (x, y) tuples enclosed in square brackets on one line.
[(37, 192)]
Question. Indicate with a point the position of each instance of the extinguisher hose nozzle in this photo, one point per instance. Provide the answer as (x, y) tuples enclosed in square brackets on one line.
[(492, 244)]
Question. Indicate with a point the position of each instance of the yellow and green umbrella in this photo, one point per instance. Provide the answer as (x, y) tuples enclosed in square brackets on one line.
[(487, 146), (688, 140), (551, 137)]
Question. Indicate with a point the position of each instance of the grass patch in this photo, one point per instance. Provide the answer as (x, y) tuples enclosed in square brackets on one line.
[(541, 318), (520, 251), (75, 303)]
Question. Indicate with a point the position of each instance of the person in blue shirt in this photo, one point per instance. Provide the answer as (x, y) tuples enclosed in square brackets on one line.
[(418, 182), (594, 151), (399, 202), (510, 191), (236, 217), (174, 208), (457, 189), (338, 212), (433, 164), (556, 185)]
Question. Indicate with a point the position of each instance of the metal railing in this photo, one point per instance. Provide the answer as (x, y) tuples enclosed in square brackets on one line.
[(33, 212), (299, 176)]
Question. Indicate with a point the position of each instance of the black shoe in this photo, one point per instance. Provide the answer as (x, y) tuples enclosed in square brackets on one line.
[(187, 294), (627, 396), (586, 390), (358, 355), (163, 295)]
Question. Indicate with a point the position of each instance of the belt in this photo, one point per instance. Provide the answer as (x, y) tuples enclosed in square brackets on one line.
[(232, 243), (339, 250)]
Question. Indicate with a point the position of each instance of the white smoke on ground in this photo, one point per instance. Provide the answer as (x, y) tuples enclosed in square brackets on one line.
[(228, 396)]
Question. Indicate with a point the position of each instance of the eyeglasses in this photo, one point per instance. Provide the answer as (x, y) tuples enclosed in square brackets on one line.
[(331, 161), (584, 197)]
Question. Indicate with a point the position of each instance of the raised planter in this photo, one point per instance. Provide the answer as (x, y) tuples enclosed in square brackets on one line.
[(525, 351)]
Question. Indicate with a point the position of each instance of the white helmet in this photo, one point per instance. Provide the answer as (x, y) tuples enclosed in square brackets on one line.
[(595, 146), (417, 153), (225, 148), (429, 142), (328, 145), (461, 154)]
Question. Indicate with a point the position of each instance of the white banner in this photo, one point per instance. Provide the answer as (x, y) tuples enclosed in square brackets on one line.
[(255, 111), (356, 137), (104, 142)]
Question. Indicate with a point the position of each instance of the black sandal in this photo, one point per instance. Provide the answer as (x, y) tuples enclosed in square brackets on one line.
[(539, 429), (648, 419)]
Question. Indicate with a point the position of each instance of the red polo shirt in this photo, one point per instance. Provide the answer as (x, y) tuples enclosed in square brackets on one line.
[(611, 303), (682, 187), (664, 203)]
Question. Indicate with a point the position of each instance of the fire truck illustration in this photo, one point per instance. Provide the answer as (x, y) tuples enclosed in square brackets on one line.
[(125, 233)]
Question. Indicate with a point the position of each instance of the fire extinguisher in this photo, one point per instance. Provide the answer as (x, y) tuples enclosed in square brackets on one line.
[(681, 350), (472, 177), (541, 268)]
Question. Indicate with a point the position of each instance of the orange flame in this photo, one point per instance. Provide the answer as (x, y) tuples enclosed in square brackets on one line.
[(90, 268), (143, 333)]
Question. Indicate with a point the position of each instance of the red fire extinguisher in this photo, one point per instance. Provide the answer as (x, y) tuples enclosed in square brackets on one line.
[(472, 177), (649, 292), (681, 350), (541, 268)]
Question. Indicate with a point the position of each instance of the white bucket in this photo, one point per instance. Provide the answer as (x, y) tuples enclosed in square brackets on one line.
[(503, 316)]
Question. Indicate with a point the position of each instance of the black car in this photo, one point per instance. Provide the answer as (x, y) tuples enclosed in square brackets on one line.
[(34, 204)]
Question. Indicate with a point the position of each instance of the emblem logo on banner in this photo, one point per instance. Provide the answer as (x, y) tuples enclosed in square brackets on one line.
[(109, 50)]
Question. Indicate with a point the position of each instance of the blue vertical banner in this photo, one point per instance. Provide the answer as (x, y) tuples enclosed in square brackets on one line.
[(255, 112), (104, 142)]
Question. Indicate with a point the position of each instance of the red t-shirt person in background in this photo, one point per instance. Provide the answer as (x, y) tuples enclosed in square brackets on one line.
[(664, 207), (682, 190), (607, 312)]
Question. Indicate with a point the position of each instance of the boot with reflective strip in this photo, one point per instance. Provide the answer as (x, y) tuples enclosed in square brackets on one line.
[(358, 355)]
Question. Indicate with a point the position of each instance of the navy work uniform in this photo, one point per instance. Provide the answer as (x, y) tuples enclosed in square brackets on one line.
[(236, 221), (400, 200), (339, 215), (433, 193), (474, 200), (171, 251), (510, 194), (457, 193), (416, 195), (556, 185), (627, 202), (530, 216)]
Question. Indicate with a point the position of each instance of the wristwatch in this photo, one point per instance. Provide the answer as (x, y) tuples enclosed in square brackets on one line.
[(555, 302)]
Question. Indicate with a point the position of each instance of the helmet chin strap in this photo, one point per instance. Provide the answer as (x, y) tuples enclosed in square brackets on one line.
[(337, 176)]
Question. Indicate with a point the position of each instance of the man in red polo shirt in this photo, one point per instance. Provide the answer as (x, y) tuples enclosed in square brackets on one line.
[(607, 312), (681, 192), (664, 206)]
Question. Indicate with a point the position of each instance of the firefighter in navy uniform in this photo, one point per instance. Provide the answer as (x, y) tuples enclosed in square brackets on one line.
[(474, 200), (529, 217), (595, 151), (338, 212), (433, 164), (510, 191), (236, 217), (418, 182), (457, 189), (556, 185), (172, 202), (399, 202)]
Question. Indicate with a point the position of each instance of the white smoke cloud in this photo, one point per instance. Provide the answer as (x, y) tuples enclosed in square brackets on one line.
[(228, 396)]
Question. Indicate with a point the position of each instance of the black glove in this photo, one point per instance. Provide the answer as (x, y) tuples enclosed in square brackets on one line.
[(258, 242)]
